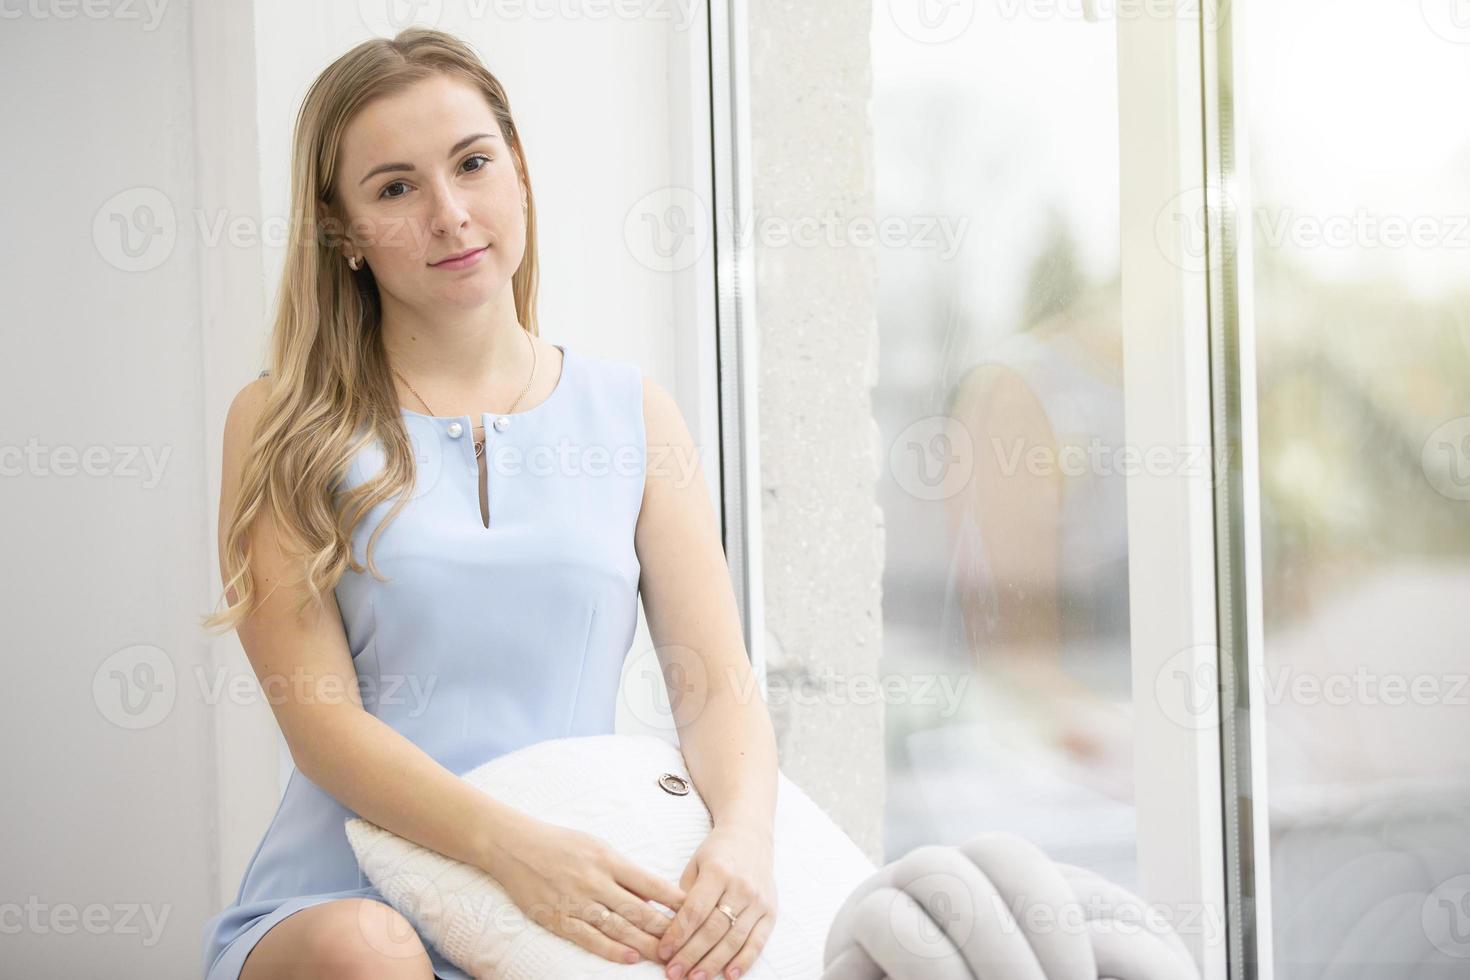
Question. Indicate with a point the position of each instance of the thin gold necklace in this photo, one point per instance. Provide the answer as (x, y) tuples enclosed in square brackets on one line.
[(480, 443)]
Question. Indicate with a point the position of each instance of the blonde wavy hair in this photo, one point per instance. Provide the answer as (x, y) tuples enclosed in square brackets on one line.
[(329, 377)]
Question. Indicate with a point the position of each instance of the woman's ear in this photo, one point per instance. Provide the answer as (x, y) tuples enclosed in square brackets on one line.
[(329, 229)]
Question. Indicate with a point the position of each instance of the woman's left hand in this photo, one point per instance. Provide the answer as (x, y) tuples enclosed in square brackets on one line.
[(733, 868)]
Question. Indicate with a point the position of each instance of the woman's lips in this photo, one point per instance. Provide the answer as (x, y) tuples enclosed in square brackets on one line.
[(464, 262)]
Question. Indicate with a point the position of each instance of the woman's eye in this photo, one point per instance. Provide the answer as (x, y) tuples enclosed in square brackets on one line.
[(384, 195)]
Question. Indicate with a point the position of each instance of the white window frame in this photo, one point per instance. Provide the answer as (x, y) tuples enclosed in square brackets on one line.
[(1171, 545), (732, 376)]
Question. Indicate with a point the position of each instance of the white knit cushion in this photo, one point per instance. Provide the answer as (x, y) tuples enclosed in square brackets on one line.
[(608, 786)]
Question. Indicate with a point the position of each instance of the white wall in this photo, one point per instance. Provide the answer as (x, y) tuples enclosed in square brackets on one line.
[(107, 762)]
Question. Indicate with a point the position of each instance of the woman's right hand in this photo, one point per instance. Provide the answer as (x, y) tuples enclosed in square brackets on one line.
[(563, 878)]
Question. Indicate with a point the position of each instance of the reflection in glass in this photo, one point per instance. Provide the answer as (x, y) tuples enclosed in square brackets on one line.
[(1006, 580)]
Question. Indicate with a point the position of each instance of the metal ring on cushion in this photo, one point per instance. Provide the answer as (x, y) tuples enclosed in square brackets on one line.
[(997, 907)]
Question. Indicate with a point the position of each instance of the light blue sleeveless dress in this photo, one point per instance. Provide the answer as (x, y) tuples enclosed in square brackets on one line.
[(483, 639)]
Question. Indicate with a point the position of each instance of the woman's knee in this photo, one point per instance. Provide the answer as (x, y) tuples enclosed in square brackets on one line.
[(345, 939)]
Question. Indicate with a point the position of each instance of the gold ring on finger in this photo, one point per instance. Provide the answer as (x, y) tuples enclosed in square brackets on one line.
[(601, 919), (726, 909)]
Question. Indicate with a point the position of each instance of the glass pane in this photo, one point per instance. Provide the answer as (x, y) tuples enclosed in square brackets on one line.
[(1360, 190), (1001, 404)]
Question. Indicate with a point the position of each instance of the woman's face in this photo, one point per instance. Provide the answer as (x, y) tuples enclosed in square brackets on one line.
[(425, 175)]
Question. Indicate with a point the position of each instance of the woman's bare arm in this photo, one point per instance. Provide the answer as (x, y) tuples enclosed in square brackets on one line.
[(304, 666), (725, 730)]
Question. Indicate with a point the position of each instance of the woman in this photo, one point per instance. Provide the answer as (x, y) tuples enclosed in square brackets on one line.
[(405, 357)]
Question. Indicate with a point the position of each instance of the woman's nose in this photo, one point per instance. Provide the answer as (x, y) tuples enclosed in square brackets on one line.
[(449, 211)]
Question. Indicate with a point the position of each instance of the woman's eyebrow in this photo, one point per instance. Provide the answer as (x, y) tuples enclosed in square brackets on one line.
[(385, 167)]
